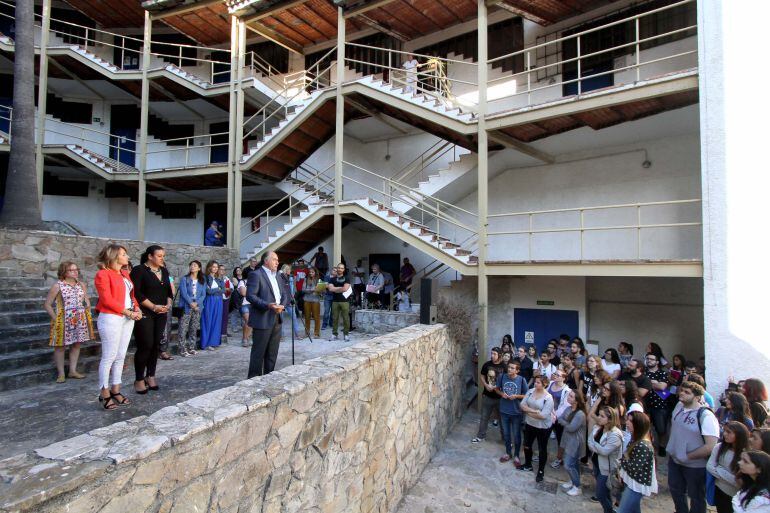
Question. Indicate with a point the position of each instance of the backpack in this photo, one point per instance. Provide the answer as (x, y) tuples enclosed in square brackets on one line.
[(700, 421)]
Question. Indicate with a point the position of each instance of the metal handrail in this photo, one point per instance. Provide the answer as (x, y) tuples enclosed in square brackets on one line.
[(415, 167), (583, 229)]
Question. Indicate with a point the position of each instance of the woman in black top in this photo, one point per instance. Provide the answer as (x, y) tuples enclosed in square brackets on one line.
[(152, 288)]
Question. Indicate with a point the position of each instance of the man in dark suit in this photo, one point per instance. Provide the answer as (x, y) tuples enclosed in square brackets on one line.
[(267, 300)]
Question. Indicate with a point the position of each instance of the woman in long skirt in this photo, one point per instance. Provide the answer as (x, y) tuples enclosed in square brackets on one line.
[(211, 318)]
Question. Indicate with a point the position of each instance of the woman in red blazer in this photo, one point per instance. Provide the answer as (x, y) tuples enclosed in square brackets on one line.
[(118, 310)]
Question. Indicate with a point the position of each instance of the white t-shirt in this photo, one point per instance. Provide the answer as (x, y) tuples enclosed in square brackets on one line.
[(214, 284), (545, 370), (357, 279), (127, 301), (242, 283), (610, 367)]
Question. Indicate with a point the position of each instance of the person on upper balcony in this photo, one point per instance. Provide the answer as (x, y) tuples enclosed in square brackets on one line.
[(410, 65), (213, 236)]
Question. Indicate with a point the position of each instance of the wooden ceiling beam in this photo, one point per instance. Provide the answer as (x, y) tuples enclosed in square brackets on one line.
[(450, 11), (368, 6), (421, 14), (513, 143), (182, 9), (299, 36), (385, 30), (322, 18), (293, 16), (281, 6), (539, 18), (390, 15), (275, 37)]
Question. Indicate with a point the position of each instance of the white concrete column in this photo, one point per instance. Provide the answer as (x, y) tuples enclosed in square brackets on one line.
[(734, 185), (42, 99), (231, 221), (483, 193), (145, 110), (238, 172), (339, 137)]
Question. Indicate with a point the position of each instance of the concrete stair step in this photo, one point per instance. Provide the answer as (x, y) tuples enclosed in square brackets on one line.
[(28, 293), (46, 372), (14, 282), (13, 318), (40, 356)]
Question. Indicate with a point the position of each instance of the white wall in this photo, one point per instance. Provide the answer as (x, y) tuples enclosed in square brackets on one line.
[(668, 311)]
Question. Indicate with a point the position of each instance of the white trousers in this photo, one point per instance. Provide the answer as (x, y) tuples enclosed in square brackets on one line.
[(115, 333)]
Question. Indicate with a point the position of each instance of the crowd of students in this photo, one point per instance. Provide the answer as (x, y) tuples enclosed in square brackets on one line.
[(619, 414)]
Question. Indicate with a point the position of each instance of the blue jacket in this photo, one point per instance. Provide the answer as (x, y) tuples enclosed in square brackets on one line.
[(219, 291), (186, 297), (259, 294)]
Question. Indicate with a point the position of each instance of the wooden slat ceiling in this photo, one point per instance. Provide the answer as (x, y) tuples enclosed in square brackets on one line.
[(546, 12), (312, 22)]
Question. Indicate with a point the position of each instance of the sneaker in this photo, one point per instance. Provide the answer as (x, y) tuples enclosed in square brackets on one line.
[(347, 338), (210, 348), (556, 464), (192, 352), (574, 491), (567, 486), (184, 354), (477, 440), (553, 435), (517, 462), (333, 338), (245, 343), (594, 498), (540, 476), (526, 468), (505, 458), (494, 423)]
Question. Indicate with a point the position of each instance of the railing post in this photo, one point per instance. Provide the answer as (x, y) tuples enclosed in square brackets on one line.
[(638, 232), (637, 50), (579, 72), (582, 227), (529, 78), (122, 53), (186, 152), (529, 236)]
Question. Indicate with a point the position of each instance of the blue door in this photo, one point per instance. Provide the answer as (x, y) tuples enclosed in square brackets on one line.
[(538, 326), (123, 145)]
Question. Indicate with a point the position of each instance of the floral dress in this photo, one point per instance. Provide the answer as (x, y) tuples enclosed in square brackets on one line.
[(73, 321)]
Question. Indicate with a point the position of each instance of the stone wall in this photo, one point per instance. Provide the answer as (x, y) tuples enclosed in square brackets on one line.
[(37, 253), (346, 432), (384, 321)]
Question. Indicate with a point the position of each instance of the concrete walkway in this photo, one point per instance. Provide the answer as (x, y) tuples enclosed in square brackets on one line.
[(35, 417), (464, 477)]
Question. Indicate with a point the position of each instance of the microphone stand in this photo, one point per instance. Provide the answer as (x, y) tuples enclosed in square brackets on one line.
[(293, 312)]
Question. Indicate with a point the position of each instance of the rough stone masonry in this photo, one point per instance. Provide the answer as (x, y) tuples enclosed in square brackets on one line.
[(346, 432)]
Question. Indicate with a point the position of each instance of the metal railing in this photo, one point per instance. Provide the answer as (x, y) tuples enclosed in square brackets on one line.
[(313, 177), (430, 77), (417, 165), (88, 139), (434, 212), (254, 225), (188, 147), (634, 47), (582, 229), (295, 85), (6, 118)]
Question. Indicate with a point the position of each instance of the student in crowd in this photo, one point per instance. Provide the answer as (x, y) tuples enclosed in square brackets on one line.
[(559, 391), (532, 354), (228, 287), (507, 343), (253, 265), (524, 362), (192, 294), (544, 367), (655, 349), (506, 358), (359, 280), (723, 464), (595, 392), (606, 443), (564, 342), (312, 302), (631, 398), (610, 396), (697, 378), (290, 317), (339, 286), (211, 317), (637, 467), (611, 362), (754, 495), (737, 409), (490, 400), (552, 348), (676, 373), (152, 289), (244, 309), (375, 287), (656, 406), (571, 374), (573, 441), (327, 297), (118, 311), (537, 407), (694, 433), (760, 439), (300, 274), (625, 353), (511, 388), (406, 275), (756, 394), (320, 261), (579, 353), (166, 337), (636, 372), (588, 374), (71, 323)]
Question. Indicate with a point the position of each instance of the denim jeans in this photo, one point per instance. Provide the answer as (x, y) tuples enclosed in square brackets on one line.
[(602, 492), (684, 482), (572, 466), (630, 502), (488, 405), (659, 419), (512, 426), (327, 314)]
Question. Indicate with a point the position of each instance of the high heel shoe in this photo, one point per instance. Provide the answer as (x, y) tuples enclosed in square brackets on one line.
[(153, 388), (141, 392)]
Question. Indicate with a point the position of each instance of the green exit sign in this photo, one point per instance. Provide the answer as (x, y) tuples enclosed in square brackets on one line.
[(544, 302)]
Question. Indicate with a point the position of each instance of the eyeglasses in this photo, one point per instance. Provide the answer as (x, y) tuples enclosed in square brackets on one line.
[(73, 270)]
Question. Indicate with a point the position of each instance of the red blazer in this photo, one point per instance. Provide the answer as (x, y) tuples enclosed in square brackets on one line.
[(112, 292)]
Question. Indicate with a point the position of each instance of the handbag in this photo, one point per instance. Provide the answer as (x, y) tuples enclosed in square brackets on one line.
[(711, 486), (176, 311)]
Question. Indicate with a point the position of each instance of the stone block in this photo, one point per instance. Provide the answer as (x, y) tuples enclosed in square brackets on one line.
[(178, 424), (71, 448), (194, 498), (287, 434), (137, 499), (136, 447)]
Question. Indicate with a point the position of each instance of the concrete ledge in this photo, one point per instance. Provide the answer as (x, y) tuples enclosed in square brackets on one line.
[(384, 321), (350, 431)]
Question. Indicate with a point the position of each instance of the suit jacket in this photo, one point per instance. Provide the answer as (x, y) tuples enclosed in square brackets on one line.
[(259, 294)]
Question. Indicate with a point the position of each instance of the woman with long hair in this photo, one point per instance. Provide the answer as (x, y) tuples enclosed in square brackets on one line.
[(611, 362), (655, 349), (737, 408), (312, 300), (71, 323), (228, 286), (754, 495), (606, 442), (756, 394), (573, 440), (192, 294), (588, 375), (723, 464), (211, 320), (243, 309), (118, 310), (559, 391), (760, 439), (152, 288), (537, 407), (637, 467), (631, 399)]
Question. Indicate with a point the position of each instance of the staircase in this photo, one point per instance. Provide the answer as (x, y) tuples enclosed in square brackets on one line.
[(437, 181)]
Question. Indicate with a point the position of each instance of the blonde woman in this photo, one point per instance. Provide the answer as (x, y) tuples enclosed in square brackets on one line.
[(118, 309), (312, 302), (71, 323)]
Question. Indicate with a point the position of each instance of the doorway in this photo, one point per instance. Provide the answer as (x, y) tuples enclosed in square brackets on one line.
[(388, 262), (537, 326)]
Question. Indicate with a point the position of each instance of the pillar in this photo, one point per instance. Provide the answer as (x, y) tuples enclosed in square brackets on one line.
[(238, 172), (42, 98), (231, 220), (145, 107), (483, 193), (339, 137)]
